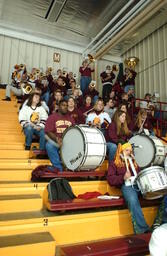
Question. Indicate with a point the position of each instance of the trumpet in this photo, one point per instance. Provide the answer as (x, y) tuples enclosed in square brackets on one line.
[(92, 84), (26, 88)]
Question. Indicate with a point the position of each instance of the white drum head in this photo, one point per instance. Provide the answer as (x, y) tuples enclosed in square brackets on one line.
[(72, 150), (144, 150)]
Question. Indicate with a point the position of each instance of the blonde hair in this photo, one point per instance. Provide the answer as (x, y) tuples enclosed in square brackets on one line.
[(97, 101), (118, 161), (138, 122)]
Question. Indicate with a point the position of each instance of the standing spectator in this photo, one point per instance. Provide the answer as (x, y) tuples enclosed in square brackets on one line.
[(129, 79), (85, 71), (107, 77)]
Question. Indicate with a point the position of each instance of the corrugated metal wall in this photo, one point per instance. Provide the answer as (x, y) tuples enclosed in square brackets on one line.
[(152, 67), (14, 51)]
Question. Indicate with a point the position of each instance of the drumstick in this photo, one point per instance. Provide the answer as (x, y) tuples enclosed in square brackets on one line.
[(126, 162)]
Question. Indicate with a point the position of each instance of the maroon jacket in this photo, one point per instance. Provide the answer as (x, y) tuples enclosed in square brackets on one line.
[(103, 76), (92, 93), (85, 72), (115, 175), (57, 123), (111, 135)]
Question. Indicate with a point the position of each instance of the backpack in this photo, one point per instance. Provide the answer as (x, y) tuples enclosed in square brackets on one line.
[(60, 189)]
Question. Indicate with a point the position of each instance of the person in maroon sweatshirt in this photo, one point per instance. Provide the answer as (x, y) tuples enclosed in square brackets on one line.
[(118, 132), (92, 91), (122, 173), (85, 71), (143, 121), (54, 101), (73, 111), (56, 124), (107, 77), (58, 84)]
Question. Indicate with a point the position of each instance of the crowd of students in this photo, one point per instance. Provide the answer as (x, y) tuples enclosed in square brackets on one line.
[(58, 102)]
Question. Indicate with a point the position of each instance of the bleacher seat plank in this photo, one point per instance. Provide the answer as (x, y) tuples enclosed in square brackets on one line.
[(77, 204), (136, 245), (69, 174)]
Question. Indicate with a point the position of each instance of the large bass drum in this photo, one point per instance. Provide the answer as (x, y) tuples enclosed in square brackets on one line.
[(83, 148), (147, 150), (152, 182)]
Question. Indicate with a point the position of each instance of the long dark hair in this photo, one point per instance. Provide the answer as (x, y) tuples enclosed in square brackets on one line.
[(30, 99)]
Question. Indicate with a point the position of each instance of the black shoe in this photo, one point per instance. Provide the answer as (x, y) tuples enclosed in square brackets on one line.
[(7, 99), (27, 147)]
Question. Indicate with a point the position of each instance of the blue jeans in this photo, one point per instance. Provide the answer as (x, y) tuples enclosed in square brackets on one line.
[(111, 148), (95, 98), (131, 197), (45, 97), (84, 82), (29, 131), (53, 154), (127, 87)]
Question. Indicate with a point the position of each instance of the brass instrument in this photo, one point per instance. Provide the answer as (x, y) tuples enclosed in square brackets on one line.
[(92, 84), (26, 88), (131, 62), (91, 58)]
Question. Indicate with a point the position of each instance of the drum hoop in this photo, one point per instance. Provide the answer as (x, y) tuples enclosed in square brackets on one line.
[(141, 173), (143, 135), (69, 128)]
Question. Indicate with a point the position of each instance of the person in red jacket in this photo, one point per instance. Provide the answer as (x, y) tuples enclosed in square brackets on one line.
[(55, 126), (85, 71), (122, 172)]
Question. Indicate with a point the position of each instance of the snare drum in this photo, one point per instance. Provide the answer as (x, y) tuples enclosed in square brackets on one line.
[(83, 148), (147, 150), (152, 182)]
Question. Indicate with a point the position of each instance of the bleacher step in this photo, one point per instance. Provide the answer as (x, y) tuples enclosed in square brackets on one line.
[(33, 244), (20, 202), (14, 154)]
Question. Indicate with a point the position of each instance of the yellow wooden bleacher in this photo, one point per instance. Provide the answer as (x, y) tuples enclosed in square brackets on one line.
[(26, 228)]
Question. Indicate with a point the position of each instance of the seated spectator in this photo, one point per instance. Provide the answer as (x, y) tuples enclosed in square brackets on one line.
[(148, 104), (98, 118), (56, 124), (143, 122), (110, 108), (86, 108), (59, 84), (43, 103), (121, 174), (92, 91), (123, 107), (43, 83), (73, 111), (54, 101), (77, 97), (18, 77), (118, 132), (32, 118)]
